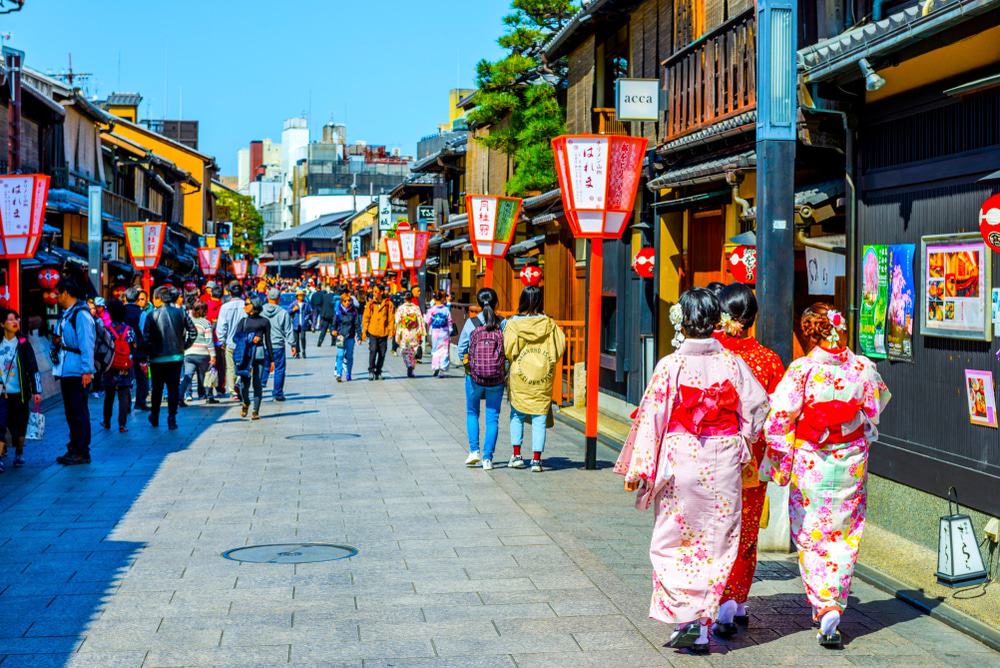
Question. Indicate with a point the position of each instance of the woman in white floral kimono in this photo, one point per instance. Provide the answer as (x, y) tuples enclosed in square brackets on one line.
[(684, 454), (823, 417)]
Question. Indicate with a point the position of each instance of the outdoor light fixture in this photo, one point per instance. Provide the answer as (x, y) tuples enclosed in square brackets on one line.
[(395, 254), (145, 243), (492, 221), (598, 177), (209, 260), (960, 563), (240, 269), (22, 213), (413, 246), (377, 263), (364, 269), (873, 81)]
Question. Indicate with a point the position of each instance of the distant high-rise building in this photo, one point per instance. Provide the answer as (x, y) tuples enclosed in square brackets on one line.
[(182, 132)]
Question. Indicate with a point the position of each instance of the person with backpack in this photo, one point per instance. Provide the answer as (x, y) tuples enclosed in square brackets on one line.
[(74, 367), (480, 347), (346, 330), (169, 332), (134, 316), (438, 318), (252, 355), (378, 325), (533, 343), (118, 376), (20, 383), (199, 356)]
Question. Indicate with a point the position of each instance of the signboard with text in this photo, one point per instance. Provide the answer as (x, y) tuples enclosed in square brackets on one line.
[(384, 213), (637, 99)]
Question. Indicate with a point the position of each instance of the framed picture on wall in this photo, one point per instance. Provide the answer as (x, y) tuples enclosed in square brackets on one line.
[(956, 287)]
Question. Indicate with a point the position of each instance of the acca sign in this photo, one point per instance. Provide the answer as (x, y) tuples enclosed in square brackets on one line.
[(637, 99), (989, 222)]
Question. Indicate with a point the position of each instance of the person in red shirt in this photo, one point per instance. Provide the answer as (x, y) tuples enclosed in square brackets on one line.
[(739, 311), (213, 300)]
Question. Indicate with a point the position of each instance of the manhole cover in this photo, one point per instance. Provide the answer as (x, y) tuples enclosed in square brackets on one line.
[(328, 436), (290, 553)]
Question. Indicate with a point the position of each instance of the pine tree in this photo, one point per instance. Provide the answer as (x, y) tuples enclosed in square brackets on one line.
[(518, 96)]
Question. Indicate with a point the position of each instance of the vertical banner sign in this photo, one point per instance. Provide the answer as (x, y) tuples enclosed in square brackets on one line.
[(355, 247), (874, 300), (384, 213), (95, 233), (902, 299)]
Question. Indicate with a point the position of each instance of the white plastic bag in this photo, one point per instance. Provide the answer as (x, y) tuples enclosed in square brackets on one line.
[(36, 426)]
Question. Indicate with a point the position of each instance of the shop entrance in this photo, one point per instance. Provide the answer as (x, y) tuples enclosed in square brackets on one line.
[(706, 236)]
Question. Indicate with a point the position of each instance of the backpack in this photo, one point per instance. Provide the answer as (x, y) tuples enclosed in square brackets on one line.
[(122, 358), (104, 343), (439, 320), (486, 357)]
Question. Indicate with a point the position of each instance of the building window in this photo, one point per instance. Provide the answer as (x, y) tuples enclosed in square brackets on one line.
[(609, 324)]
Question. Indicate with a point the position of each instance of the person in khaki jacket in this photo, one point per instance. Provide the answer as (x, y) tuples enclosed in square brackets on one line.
[(534, 344), (379, 323)]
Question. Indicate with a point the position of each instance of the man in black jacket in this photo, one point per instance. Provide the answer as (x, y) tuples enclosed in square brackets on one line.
[(327, 312), (168, 333), (315, 302), (133, 318)]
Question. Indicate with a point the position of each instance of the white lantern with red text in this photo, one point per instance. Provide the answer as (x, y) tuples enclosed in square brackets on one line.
[(240, 269), (209, 260), (23, 198), (377, 261)]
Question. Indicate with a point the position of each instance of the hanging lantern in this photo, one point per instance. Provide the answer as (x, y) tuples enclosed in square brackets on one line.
[(240, 269), (190, 286), (378, 262), (960, 563), (364, 269), (989, 222), (352, 270), (413, 246), (492, 221), (209, 260), (395, 254), (644, 263), (50, 297), (261, 270), (531, 275), (47, 278), (23, 198), (145, 243), (743, 264), (598, 177)]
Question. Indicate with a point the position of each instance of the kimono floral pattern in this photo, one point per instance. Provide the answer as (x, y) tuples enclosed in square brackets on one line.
[(693, 482), (828, 493), (410, 331)]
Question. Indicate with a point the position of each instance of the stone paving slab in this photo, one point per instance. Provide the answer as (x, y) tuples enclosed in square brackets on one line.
[(119, 563)]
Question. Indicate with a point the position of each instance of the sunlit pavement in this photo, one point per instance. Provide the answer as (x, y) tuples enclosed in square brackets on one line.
[(120, 563)]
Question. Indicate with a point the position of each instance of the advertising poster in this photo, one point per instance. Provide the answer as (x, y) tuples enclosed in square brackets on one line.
[(957, 294), (874, 300), (902, 298), (982, 400)]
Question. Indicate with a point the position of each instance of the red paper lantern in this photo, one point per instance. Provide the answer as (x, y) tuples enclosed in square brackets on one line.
[(22, 213), (377, 262), (240, 269), (644, 263), (364, 268), (190, 286), (530, 276), (50, 297), (395, 253), (598, 177), (209, 260), (492, 222), (47, 278), (743, 264), (989, 222)]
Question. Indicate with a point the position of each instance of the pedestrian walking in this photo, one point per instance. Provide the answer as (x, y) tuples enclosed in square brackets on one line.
[(199, 357), (74, 367), (282, 334), (118, 376), (415, 293), (439, 323), (378, 326), (252, 354), (701, 407), (533, 343), (327, 314), (134, 317), (302, 319), (346, 329), (739, 312), (230, 315), (213, 301), (824, 416), (410, 333), (169, 332), (20, 386), (315, 304), (480, 347)]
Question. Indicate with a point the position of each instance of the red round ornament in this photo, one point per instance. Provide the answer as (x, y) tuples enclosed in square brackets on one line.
[(190, 286), (644, 263), (743, 264), (530, 276), (50, 297), (47, 278), (989, 222)]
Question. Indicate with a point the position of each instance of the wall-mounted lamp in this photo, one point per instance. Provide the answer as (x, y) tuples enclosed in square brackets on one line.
[(873, 81)]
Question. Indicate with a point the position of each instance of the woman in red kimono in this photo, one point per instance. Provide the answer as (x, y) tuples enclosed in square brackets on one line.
[(739, 311)]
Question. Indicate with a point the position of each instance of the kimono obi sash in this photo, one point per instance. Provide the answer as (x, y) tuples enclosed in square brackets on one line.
[(709, 411), (823, 422)]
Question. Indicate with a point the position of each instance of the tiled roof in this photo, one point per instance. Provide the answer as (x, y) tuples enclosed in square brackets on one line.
[(324, 227), (703, 170), (713, 131), (454, 147), (124, 99)]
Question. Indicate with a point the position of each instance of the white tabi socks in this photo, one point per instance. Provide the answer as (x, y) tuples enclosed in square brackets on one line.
[(726, 612), (829, 623)]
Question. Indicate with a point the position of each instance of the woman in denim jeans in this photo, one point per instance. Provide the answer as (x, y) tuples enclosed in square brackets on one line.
[(534, 344), (479, 365)]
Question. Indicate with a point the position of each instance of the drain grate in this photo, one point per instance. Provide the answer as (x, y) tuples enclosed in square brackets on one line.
[(328, 436), (290, 553)]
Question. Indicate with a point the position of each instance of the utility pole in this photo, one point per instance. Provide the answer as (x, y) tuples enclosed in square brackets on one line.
[(777, 111)]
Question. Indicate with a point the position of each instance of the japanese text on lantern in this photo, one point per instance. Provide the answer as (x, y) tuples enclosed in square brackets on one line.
[(152, 240), (587, 171), (486, 218), (623, 175), (395, 255)]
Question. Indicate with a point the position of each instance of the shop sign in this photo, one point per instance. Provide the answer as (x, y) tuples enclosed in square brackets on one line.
[(109, 250), (355, 247), (822, 270), (957, 282), (989, 222), (874, 300), (530, 275), (425, 216), (384, 213), (743, 264), (637, 99)]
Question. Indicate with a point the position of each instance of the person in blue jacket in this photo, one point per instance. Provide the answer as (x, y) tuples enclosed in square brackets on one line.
[(302, 313), (346, 324)]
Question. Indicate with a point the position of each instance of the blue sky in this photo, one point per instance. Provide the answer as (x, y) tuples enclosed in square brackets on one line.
[(241, 67)]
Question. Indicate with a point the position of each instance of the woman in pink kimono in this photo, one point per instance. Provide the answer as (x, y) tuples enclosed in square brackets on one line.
[(823, 417), (438, 318), (685, 452)]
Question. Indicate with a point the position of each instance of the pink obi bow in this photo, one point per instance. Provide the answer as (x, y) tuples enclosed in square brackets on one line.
[(709, 411)]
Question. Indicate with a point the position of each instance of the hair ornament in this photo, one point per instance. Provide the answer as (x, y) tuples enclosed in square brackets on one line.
[(729, 325)]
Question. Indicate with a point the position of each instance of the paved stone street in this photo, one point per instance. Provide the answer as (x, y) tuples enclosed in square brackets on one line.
[(119, 563)]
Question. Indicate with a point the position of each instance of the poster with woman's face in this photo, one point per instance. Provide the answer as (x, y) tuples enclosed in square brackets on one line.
[(956, 291), (982, 399)]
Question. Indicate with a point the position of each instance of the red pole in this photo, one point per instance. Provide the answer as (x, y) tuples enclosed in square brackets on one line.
[(147, 282), (14, 284), (488, 278), (413, 278), (593, 348)]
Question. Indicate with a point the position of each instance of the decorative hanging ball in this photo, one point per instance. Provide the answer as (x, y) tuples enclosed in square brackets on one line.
[(645, 262), (743, 264), (190, 286), (47, 278), (50, 297), (530, 276)]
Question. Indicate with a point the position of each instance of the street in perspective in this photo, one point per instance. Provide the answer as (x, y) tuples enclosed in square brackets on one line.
[(542, 333)]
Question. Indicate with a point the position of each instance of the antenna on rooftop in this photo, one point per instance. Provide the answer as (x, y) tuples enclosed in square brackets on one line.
[(69, 76)]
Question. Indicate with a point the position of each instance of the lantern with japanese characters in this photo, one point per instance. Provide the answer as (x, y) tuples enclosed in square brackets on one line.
[(530, 275), (209, 260), (378, 263), (598, 178), (260, 271), (240, 269), (413, 248), (364, 269), (145, 243), (492, 221), (395, 254), (989, 222), (742, 262), (644, 263), (352, 271), (22, 213), (345, 273)]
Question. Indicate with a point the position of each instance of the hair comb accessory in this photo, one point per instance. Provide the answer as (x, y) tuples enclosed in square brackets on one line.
[(729, 325)]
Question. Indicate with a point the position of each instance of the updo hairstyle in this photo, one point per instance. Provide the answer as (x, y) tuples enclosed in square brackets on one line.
[(816, 324), (739, 302), (701, 310)]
